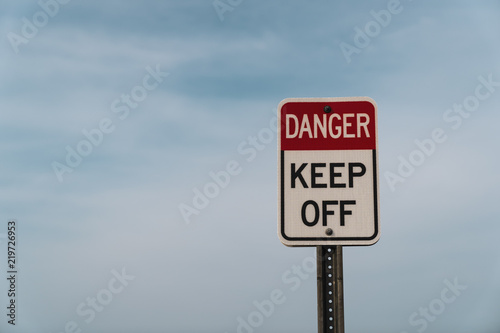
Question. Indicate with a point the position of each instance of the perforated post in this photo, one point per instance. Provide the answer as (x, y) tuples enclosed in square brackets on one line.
[(330, 289)]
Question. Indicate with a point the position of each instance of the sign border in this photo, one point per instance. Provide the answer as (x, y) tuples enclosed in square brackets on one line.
[(315, 241)]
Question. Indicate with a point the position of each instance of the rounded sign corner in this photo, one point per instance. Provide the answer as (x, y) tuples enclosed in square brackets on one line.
[(283, 240), (285, 101), (372, 102), (376, 238)]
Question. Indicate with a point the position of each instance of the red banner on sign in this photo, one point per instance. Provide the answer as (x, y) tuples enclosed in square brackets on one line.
[(340, 125)]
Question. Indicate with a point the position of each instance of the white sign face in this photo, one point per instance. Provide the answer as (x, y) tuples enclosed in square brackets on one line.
[(327, 172)]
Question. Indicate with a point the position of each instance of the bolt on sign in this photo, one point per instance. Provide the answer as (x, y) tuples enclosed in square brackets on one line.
[(327, 172)]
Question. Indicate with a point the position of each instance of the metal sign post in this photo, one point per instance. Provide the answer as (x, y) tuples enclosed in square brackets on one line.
[(330, 289)]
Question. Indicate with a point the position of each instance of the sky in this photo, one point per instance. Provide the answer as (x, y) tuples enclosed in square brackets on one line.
[(116, 115)]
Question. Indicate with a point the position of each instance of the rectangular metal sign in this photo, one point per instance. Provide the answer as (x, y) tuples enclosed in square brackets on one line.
[(327, 171)]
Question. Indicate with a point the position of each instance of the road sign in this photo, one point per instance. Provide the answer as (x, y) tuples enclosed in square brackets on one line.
[(327, 172)]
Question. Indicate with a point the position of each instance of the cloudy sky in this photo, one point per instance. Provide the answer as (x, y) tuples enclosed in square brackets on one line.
[(115, 115)]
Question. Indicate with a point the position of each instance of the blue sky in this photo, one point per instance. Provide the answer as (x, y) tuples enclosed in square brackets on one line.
[(217, 83)]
